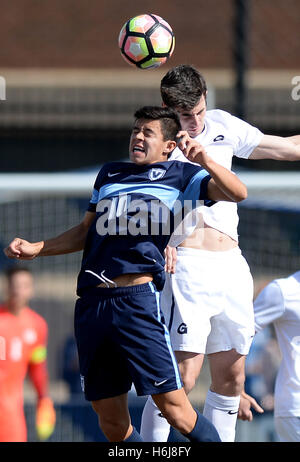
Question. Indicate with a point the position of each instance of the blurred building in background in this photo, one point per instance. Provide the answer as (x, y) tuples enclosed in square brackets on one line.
[(69, 90), (69, 101)]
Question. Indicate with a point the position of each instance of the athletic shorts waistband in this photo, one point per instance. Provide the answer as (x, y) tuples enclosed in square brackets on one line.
[(189, 251), (118, 291)]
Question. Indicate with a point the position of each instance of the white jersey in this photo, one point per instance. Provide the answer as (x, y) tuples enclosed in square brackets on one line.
[(223, 137), (279, 303)]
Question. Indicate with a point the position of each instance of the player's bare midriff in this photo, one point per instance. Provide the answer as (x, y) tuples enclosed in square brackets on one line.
[(126, 280), (207, 238)]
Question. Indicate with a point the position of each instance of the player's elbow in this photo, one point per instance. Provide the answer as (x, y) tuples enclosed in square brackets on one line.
[(241, 194), (294, 155), (234, 193)]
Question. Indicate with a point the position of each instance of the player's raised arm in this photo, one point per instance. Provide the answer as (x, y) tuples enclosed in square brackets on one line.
[(70, 241), (224, 185), (277, 148), (294, 139)]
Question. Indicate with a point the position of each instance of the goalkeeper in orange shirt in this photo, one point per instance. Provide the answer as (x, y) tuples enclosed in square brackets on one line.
[(23, 348)]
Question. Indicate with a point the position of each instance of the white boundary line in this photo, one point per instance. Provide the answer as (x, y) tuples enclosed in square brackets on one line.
[(83, 182)]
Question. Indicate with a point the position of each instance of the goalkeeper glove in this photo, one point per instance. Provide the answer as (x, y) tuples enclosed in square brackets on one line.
[(45, 418)]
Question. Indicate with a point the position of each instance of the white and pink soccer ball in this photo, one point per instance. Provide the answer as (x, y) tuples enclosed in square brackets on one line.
[(146, 41)]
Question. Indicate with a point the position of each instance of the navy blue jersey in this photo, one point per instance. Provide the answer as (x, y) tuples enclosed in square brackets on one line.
[(137, 208)]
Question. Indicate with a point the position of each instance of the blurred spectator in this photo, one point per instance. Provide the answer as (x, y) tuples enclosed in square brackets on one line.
[(279, 304)]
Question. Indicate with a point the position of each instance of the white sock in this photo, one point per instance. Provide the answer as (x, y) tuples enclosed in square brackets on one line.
[(222, 412), (154, 427)]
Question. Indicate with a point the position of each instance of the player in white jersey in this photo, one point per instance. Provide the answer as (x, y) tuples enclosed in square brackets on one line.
[(208, 300), (279, 304)]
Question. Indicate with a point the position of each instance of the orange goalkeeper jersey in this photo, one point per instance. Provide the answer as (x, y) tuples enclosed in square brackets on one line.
[(23, 341)]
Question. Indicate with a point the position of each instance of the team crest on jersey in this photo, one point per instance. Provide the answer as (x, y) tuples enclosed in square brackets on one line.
[(156, 173)]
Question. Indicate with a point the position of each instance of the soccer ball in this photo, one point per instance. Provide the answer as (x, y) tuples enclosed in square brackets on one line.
[(146, 41)]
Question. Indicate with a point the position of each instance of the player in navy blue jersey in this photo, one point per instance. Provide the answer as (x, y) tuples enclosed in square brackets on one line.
[(132, 213)]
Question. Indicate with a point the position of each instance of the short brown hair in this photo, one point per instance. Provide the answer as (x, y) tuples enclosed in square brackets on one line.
[(182, 87), (169, 120)]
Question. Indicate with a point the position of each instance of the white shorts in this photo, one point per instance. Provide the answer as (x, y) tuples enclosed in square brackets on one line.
[(288, 428), (208, 302)]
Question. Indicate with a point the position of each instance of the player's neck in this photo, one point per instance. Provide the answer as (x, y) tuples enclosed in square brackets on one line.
[(14, 307)]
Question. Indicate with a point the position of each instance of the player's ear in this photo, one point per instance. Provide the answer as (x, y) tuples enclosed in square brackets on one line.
[(170, 146), (163, 104)]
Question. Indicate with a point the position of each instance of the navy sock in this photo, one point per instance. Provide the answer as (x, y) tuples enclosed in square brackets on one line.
[(135, 437), (203, 430)]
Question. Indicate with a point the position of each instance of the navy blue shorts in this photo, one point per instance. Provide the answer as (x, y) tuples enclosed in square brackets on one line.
[(122, 340)]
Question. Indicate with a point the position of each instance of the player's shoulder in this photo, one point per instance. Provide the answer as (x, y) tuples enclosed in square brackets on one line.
[(105, 168), (220, 116), (230, 126), (176, 164), (34, 318), (113, 166), (184, 172), (4, 312), (290, 284), (296, 276), (109, 169)]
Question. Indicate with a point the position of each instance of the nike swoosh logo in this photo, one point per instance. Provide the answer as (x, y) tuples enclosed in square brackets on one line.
[(113, 174), (157, 384), (232, 412)]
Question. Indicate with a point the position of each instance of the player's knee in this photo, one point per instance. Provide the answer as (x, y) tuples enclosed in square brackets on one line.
[(230, 382), (113, 426), (237, 380), (112, 429)]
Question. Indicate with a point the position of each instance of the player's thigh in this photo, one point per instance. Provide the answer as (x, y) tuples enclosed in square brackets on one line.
[(190, 365), (226, 367), (233, 327), (103, 371), (144, 341), (186, 303)]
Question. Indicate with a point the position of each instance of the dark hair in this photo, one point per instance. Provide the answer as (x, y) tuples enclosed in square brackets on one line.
[(182, 87), (12, 270), (169, 120)]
